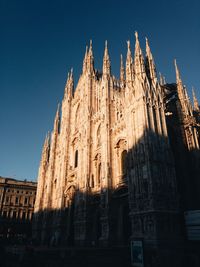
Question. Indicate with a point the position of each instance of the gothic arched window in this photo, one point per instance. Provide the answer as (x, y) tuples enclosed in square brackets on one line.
[(124, 164), (76, 159)]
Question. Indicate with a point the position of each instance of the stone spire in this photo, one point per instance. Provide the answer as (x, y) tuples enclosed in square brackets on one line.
[(69, 85), (57, 120), (90, 59), (85, 60), (106, 61), (139, 65), (71, 79), (178, 77), (45, 149), (195, 101), (150, 63), (180, 88), (129, 64), (122, 72)]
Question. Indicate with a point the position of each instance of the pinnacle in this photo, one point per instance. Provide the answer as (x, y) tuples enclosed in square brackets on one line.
[(58, 108), (136, 35), (175, 63), (71, 73), (90, 48), (106, 51), (86, 49), (122, 77), (121, 61), (106, 44), (128, 50), (128, 45), (147, 46), (138, 50), (178, 78), (195, 101)]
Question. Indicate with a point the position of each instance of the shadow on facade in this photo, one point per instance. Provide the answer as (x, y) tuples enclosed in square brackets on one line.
[(187, 162), (81, 222), (147, 204)]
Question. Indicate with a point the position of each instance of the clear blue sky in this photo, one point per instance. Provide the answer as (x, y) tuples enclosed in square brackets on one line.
[(42, 39)]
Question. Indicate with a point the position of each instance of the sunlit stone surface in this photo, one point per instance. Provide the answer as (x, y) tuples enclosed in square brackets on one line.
[(121, 163)]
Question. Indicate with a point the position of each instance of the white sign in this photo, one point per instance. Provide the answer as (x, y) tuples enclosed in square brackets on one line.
[(137, 258)]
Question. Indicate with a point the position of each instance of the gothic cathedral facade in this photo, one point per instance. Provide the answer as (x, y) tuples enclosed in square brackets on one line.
[(114, 168)]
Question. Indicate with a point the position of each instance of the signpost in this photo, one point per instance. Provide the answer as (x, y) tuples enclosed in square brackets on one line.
[(137, 257)]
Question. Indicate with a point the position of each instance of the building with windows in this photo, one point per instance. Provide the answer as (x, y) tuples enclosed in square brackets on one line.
[(17, 200), (122, 162)]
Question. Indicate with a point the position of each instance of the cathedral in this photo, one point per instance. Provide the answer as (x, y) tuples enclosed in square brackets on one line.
[(122, 162)]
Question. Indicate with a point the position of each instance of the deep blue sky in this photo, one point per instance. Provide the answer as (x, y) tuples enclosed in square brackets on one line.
[(42, 39)]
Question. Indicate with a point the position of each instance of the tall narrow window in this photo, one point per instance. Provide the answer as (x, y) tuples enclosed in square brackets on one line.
[(76, 159), (99, 174), (124, 162)]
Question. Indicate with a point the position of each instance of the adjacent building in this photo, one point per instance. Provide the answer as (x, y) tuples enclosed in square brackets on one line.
[(122, 162), (17, 200)]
